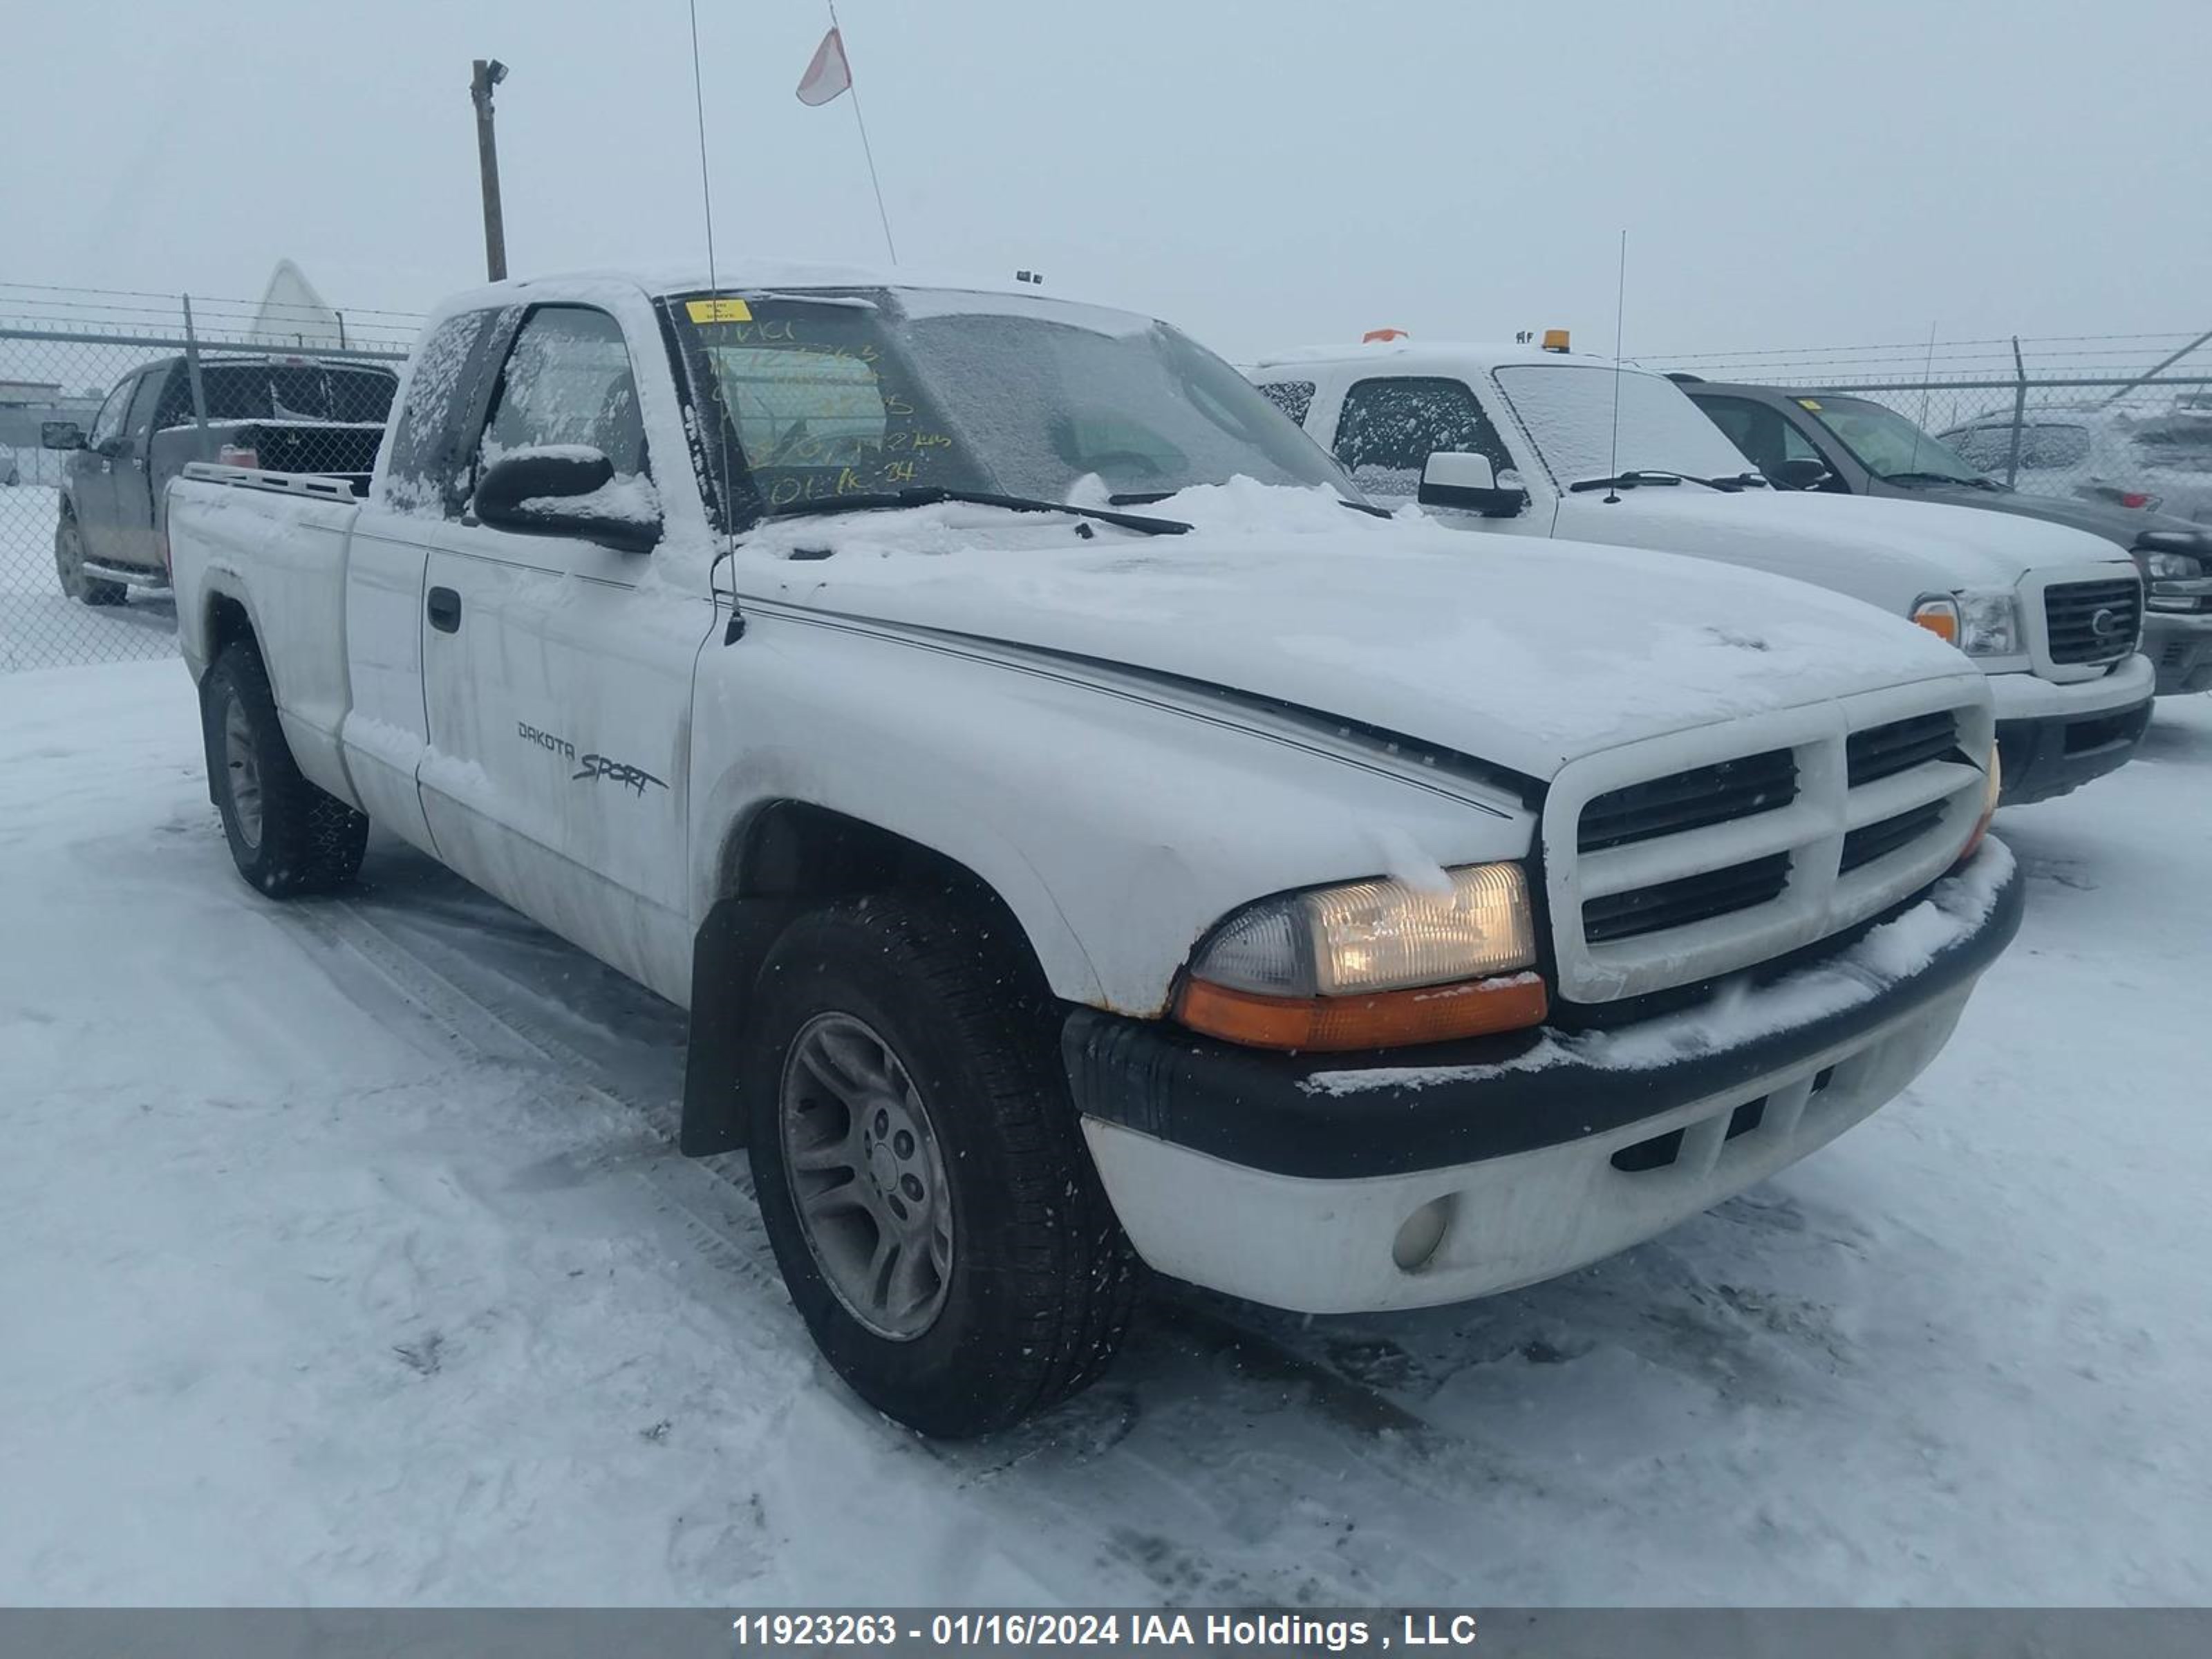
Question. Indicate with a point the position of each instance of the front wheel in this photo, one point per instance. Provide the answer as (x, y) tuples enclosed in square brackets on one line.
[(286, 836), (69, 565), (920, 1170)]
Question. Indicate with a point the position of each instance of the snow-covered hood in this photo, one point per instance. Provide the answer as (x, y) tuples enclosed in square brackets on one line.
[(1521, 653), (1887, 551)]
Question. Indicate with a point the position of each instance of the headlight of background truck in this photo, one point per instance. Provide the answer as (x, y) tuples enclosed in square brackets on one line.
[(1371, 965), (2172, 581), (1981, 622)]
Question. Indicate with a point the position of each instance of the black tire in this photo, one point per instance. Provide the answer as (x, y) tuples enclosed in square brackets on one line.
[(68, 566), (306, 840), (1043, 1281)]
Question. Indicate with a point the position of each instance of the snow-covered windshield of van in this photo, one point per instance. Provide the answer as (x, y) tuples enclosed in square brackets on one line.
[(1567, 409), (1886, 443), (870, 392), (2181, 439)]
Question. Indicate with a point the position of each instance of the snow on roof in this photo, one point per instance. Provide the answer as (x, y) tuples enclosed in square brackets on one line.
[(1419, 356), (742, 276)]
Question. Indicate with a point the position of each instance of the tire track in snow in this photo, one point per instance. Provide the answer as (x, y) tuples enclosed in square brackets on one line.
[(1193, 1367)]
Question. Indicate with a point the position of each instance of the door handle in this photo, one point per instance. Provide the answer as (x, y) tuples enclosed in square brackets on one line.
[(445, 609)]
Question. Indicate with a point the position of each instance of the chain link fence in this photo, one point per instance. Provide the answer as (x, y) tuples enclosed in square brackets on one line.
[(2124, 418), (107, 395)]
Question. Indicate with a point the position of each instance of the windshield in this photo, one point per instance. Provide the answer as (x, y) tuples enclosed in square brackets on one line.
[(1885, 442), (297, 391), (1567, 409), (866, 393)]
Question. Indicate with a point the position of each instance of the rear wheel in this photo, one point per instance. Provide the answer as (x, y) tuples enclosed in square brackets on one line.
[(69, 565), (286, 835), (920, 1170)]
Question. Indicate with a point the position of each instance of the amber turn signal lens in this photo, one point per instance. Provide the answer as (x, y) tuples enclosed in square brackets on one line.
[(1941, 620), (1991, 788), (1390, 1019)]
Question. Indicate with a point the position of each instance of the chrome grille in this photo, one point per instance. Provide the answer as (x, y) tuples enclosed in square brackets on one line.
[(2093, 621)]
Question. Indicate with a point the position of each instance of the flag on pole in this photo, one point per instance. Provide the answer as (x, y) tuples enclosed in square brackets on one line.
[(828, 74)]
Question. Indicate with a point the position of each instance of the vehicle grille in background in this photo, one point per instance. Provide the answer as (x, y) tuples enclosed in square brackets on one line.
[(1881, 751), (1706, 795), (1870, 842), (1690, 898), (2072, 610)]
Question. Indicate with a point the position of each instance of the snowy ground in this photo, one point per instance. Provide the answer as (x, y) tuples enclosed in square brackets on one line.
[(347, 1261)]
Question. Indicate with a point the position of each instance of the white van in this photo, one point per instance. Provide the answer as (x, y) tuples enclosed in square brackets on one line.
[(1539, 442)]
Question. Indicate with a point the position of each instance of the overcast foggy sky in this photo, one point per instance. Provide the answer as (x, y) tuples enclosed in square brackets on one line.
[(1262, 175)]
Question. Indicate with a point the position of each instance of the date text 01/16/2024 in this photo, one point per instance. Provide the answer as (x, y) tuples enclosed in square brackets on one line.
[(1007, 1629)]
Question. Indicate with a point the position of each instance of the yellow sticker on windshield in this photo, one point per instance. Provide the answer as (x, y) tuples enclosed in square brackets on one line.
[(1813, 403), (720, 310)]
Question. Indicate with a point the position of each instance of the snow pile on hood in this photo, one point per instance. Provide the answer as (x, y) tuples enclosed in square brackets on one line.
[(1522, 652)]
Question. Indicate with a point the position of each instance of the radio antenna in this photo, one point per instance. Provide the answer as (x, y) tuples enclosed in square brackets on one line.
[(737, 626), (1927, 376), (1619, 309), (859, 120)]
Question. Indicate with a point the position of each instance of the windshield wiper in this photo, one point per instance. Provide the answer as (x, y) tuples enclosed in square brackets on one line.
[(1146, 497), (1642, 475), (930, 495), (1910, 479)]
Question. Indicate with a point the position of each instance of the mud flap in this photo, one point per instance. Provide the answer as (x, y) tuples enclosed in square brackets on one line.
[(725, 960)]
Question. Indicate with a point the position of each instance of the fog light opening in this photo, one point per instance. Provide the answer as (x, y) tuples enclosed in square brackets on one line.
[(1422, 1234)]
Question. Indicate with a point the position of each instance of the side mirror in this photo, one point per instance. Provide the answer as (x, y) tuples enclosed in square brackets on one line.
[(568, 489), (60, 435), (1798, 472), (1469, 484)]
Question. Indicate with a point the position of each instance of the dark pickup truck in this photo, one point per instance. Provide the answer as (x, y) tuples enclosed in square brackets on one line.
[(289, 414)]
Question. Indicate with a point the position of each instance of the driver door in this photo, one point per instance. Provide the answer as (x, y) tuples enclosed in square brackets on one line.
[(557, 678), (92, 472)]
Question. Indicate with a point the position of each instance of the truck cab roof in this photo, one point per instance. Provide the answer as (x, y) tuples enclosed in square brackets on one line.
[(1410, 356)]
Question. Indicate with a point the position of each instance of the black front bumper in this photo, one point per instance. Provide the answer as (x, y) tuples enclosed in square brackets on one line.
[(2046, 758), (2180, 646), (1254, 1106)]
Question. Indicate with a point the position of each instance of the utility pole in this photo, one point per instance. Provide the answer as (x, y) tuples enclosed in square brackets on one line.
[(488, 73)]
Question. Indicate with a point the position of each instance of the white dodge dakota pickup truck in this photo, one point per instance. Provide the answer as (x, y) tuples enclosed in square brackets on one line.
[(1083, 832), (1537, 442)]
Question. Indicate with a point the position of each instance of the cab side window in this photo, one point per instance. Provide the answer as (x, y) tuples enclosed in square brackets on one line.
[(1293, 398), (427, 471), (1390, 428), (175, 408), (569, 381), (109, 420), (140, 421)]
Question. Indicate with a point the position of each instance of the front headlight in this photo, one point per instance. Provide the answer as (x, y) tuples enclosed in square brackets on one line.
[(1989, 622), (1371, 965), (1980, 622), (2170, 566)]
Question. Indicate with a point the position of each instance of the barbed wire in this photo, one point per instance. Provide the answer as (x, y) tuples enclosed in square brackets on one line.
[(198, 300)]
